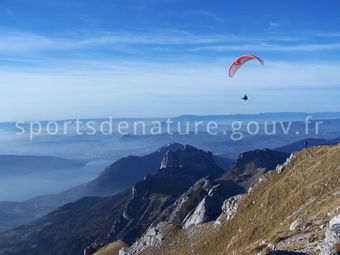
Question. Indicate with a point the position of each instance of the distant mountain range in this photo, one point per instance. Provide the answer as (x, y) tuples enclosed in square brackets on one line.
[(285, 116), (22, 164), (99, 146), (281, 115)]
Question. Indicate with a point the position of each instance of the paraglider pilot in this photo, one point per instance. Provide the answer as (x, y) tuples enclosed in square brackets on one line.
[(238, 63)]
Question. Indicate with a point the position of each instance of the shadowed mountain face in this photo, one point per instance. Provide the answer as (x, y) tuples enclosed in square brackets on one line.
[(67, 230), (71, 228), (125, 172), (179, 171), (250, 165), (117, 177), (223, 162)]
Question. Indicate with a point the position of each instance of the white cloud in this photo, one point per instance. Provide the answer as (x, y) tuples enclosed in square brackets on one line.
[(268, 47), (207, 14), (166, 41), (274, 24), (27, 42), (329, 35)]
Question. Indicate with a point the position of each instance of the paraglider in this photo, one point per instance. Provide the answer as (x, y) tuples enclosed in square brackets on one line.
[(238, 63)]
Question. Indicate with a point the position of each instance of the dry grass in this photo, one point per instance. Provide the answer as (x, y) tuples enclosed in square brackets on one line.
[(112, 248), (313, 176)]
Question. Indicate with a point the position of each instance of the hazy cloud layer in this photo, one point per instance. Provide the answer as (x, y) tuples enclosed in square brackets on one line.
[(101, 89)]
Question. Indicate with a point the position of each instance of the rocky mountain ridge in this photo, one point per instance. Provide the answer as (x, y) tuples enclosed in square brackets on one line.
[(203, 202), (249, 166), (294, 210)]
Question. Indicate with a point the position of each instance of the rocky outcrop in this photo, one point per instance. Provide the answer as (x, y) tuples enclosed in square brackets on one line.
[(332, 237), (229, 207), (295, 224), (173, 215), (208, 209), (178, 211), (200, 204), (188, 157), (151, 238), (263, 178), (250, 165), (211, 205), (280, 168), (172, 192), (179, 171), (317, 236)]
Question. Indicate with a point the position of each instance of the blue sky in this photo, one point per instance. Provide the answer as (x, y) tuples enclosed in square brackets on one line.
[(68, 59)]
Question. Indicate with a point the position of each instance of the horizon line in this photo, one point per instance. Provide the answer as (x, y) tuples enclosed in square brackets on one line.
[(173, 117)]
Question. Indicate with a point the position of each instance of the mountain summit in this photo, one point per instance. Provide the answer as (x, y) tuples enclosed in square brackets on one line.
[(250, 165), (189, 157)]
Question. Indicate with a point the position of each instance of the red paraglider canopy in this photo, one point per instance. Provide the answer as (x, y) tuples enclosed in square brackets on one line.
[(240, 61)]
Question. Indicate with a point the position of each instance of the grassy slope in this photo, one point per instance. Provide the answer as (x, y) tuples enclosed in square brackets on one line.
[(111, 249), (268, 211)]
